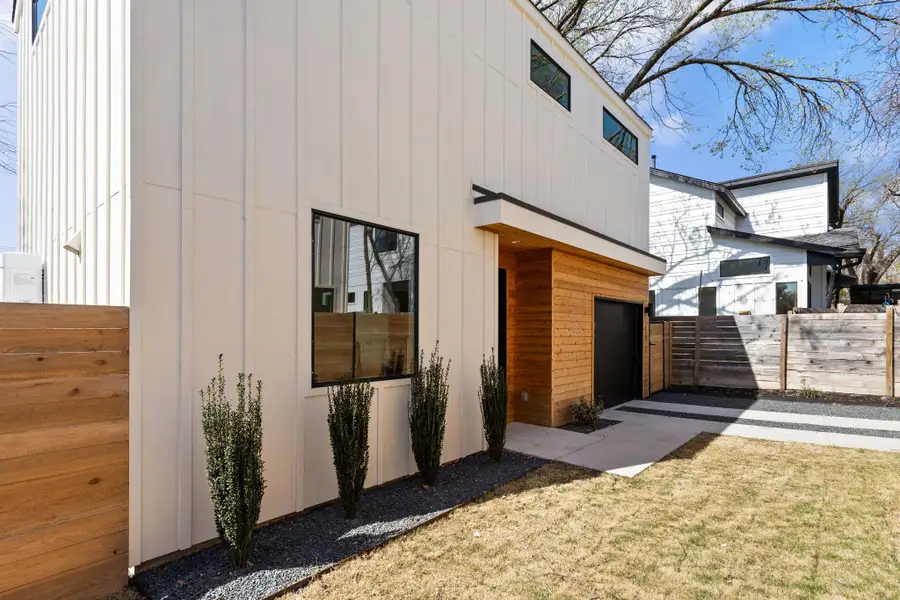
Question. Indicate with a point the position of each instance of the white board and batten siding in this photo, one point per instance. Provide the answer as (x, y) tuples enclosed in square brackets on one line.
[(248, 115), (74, 171), (786, 208)]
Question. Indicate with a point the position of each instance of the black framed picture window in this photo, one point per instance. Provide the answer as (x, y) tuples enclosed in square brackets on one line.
[(550, 77), (745, 266), (376, 338)]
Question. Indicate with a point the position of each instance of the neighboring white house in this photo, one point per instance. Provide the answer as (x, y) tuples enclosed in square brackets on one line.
[(758, 245), (219, 162)]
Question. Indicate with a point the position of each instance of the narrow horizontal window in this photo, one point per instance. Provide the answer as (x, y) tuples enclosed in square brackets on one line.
[(550, 77), (374, 338), (619, 136), (745, 266)]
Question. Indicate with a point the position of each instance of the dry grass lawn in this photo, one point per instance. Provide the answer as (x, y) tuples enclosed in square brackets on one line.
[(723, 517)]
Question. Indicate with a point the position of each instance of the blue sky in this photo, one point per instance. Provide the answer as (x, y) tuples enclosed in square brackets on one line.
[(788, 37)]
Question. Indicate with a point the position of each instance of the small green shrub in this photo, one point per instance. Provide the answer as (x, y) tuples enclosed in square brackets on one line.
[(234, 465), (429, 392), (493, 395), (588, 414), (811, 393), (349, 408)]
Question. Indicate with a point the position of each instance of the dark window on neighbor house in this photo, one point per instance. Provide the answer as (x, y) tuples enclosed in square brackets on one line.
[(385, 241), (378, 339), (745, 266), (785, 298), (651, 305), (550, 77), (708, 302), (38, 8), (619, 136), (323, 300), (720, 210)]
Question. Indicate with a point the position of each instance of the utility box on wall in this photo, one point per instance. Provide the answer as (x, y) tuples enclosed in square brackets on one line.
[(21, 278)]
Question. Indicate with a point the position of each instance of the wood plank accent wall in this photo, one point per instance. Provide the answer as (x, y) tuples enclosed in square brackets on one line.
[(532, 359), (63, 451), (657, 357), (577, 281), (828, 352)]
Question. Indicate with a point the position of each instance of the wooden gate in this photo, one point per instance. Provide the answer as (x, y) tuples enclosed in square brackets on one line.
[(63, 451), (660, 356)]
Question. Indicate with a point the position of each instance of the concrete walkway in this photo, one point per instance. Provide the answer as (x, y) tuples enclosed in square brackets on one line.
[(649, 430)]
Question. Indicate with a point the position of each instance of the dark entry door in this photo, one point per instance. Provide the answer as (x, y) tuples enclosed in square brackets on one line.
[(501, 318), (616, 351)]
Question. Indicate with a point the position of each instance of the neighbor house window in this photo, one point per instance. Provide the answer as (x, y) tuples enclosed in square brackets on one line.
[(550, 77), (377, 339), (38, 8), (708, 307), (785, 298), (720, 210), (619, 136), (745, 266)]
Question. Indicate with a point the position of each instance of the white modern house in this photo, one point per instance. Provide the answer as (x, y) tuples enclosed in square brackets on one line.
[(316, 188), (754, 246)]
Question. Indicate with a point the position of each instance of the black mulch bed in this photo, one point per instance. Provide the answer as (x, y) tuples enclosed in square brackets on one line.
[(793, 395), (580, 428), (289, 551)]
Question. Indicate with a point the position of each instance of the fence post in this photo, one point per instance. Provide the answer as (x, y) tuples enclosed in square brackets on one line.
[(782, 365), (667, 354), (889, 351), (697, 325)]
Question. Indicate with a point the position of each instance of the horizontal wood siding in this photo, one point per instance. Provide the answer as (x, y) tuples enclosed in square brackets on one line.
[(532, 359), (577, 281), (63, 451), (657, 356), (826, 352)]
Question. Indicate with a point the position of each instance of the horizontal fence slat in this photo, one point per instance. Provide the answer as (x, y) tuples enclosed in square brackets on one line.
[(45, 366), (62, 316), (62, 413), (21, 341), (32, 391), (52, 439), (90, 582), (60, 462)]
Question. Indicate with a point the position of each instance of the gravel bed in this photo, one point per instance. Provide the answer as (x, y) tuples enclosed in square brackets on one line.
[(579, 428), (289, 551), (882, 433), (884, 411), (792, 396)]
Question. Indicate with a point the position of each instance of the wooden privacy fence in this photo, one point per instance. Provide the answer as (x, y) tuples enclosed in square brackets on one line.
[(63, 451), (660, 356), (851, 353)]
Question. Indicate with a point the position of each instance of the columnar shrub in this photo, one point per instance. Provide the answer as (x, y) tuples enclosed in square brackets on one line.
[(234, 465), (349, 407), (493, 395), (429, 392)]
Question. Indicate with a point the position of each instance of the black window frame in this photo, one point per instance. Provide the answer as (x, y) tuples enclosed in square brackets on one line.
[(720, 210), (744, 261), (796, 295), (312, 315), (535, 46), (637, 143)]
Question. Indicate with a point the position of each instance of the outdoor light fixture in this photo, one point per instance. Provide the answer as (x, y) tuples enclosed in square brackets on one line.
[(74, 244)]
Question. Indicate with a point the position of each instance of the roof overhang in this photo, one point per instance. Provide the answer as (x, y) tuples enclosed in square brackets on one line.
[(520, 223), (831, 170), (721, 191), (766, 239)]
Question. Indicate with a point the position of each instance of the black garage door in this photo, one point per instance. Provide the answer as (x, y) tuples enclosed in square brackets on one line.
[(617, 364)]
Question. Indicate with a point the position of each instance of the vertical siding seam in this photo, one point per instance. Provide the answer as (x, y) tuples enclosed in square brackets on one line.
[(96, 149), (135, 396), (249, 176), (123, 196), (106, 197), (299, 125), (82, 265), (378, 162), (184, 477), (63, 198)]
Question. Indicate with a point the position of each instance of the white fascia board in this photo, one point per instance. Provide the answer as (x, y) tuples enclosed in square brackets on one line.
[(503, 212)]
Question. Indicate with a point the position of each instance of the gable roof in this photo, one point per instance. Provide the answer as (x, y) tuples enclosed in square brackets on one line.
[(721, 191), (831, 170), (837, 242)]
